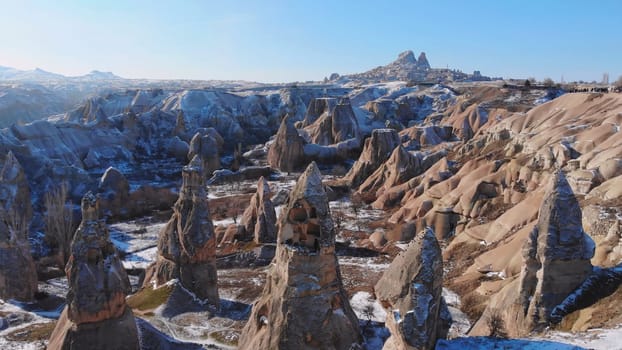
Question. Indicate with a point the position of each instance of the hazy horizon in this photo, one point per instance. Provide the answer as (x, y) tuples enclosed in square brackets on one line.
[(277, 41)]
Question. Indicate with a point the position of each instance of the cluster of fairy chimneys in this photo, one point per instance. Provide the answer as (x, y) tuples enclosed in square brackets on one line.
[(305, 235)]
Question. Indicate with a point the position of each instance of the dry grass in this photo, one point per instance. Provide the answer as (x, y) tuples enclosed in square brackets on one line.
[(460, 257), (148, 299), (473, 305), (32, 333)]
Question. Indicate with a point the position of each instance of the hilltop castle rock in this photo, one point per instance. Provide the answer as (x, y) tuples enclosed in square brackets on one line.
[(187, 244), (303, 305), (411, 289), (96, 315)]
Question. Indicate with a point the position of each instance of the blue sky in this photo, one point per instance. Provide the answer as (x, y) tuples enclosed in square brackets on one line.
[(299, 40)]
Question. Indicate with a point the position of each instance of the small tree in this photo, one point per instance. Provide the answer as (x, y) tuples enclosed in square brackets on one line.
[(618, 83), (16, 223), (527, 83), (368, 310), (496, 325), (548, 82), (59, 223)]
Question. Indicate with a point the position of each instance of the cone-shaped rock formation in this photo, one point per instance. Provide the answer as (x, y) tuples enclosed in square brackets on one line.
[(206, 144), (187, 244), (259, 219), (556, 260), (411, 288), (376, 151), (96, 316), (287, 151), (303, 305)]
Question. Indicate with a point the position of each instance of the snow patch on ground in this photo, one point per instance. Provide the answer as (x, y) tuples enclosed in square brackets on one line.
[(364, 305)]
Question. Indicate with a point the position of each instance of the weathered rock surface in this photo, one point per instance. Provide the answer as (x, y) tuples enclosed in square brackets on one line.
[(337, 123), (114, 191), (556, 260), (399, 168), (303, 305), (287, 151), (18, 276), (376, 151), (259, 219), (187, 244), (96, 315), (206, 143), (411, 289)]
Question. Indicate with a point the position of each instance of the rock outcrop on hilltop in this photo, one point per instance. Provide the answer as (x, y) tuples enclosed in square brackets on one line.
[(206, 144), (406, 67), (422, 62), (18, 276), (96, 315), (259, 219), (411, 289), (303, 305), (187, 244), (376, 151), (556, 261), (287, 151)]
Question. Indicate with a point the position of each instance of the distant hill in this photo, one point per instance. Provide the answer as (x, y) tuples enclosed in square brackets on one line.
[(38, 75)]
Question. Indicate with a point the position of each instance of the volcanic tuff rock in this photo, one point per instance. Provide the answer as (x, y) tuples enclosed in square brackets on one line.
[(404, 68), (259, 219), (411, 288), (96, 316), (318, 107), (376, 151), (303, 305), (337, 123), (18, 276), (400, 167), (556, 260), (287, 151), (206, 144), (114, 190), (187, 244)]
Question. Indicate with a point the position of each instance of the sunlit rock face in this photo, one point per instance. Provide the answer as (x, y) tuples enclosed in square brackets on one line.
[(556, 261), (411, 289), (376, 151), (287, 151), (259, 219), (303, 305), (187, 244), (96, 315)]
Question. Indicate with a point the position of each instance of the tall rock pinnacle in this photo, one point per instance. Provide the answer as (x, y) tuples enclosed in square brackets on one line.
[(96, 316), (303, 305)]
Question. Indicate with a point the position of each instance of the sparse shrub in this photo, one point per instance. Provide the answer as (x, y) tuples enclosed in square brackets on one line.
[(59, 223), (17, 224), (368, 310), (548, 82), (496, 325)]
